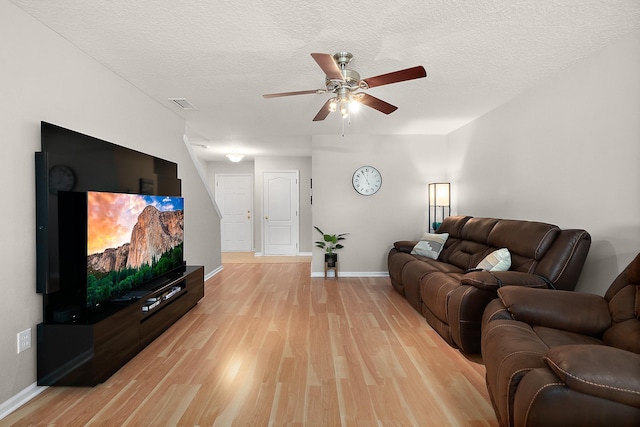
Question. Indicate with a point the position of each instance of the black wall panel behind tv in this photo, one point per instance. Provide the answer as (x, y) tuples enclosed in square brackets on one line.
[(71, 161)]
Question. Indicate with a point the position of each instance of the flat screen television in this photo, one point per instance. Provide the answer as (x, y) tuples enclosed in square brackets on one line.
[(131, 240), (114, 248)]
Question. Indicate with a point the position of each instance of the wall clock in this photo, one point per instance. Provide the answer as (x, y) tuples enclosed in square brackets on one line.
[(366, 180), (61, 178)]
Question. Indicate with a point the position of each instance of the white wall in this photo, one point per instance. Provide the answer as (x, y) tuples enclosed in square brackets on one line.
[(565, 152), (44, 78), (398, 211), (213, 168)]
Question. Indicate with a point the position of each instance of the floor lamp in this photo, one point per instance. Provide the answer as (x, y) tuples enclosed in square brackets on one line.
[(439, 203)]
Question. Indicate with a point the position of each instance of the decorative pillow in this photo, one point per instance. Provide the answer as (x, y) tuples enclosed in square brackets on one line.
[(498, 260), (430, 245)]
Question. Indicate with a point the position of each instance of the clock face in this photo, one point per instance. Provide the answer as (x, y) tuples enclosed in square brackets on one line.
[(61, 178), (366, 180)]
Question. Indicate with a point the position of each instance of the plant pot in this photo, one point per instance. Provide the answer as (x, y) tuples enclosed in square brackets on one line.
[(331, 259)]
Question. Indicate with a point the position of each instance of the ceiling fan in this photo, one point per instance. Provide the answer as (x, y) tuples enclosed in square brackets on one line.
[(346, 84)]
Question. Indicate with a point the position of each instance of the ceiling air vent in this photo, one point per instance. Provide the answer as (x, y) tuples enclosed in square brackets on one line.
[(183, 103)]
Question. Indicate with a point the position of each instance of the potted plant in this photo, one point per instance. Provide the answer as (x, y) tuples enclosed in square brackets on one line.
[(330, 244)]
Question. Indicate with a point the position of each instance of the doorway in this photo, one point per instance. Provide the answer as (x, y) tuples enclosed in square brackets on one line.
[(280, 208), (234, 196)]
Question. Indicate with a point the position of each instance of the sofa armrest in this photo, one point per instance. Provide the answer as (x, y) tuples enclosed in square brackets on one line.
[(581, 313), (492, 280), (598, 370), (404, 245)]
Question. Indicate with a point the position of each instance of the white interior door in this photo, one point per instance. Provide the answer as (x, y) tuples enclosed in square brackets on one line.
[(234, 196), (280, 223)]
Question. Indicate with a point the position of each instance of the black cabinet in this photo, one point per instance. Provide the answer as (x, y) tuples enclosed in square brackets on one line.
[(87, 354)]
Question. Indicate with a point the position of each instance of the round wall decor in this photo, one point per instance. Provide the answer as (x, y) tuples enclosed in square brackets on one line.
[(61, 178), (366, 180)]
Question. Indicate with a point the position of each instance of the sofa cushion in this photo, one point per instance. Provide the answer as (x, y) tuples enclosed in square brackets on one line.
[(492, 281), (397, 260), (630, 276), (430, 245), (515, 349), (581, 313), (625, 335), (404, 245), (633, 272), (597, 370), (468, 254), (498, 260), (435, 290), (478, 229), (453, 225), (623, 305), (552, 337), (534, 238)]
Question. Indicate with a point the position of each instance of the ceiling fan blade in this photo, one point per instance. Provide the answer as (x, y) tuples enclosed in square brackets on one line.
[(396, 76), (328, 65), (323, 113), (376, 103), (300, 92)]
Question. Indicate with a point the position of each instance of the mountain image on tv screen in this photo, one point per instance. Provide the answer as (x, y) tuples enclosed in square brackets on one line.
[(131, 239)]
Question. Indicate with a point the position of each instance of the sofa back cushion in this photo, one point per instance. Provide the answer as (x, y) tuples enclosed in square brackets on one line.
[(471, 246), (623, 295), (451, 225), (562, 263), (624, 304), (536, 247), (527, 241)]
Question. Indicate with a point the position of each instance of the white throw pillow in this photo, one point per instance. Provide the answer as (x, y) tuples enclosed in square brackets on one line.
[(498, 260), (430, 245)]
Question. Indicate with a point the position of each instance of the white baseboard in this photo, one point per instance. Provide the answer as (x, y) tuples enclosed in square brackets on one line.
[(353, 274), (213, 273), (298, 254), (20, 399)]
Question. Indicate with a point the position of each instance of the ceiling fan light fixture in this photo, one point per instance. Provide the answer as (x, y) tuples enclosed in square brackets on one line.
[(344, 110), (235, 157), (345, 83)]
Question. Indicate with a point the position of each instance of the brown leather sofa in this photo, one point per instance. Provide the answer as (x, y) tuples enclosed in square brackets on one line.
[(452, 298), (557, 358)]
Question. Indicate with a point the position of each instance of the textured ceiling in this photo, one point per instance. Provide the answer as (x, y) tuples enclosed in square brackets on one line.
[(223, 55)]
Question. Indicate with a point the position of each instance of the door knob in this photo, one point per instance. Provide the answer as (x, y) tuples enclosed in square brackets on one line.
[(267, 218)]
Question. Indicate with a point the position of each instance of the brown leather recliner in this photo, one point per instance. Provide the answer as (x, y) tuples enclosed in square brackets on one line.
[(558, 358)]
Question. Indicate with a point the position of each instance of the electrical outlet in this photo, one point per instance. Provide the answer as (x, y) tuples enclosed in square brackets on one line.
[(24, 340)]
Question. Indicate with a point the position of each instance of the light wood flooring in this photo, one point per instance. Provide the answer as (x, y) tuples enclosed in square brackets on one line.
[(268, 345), (249, 257)]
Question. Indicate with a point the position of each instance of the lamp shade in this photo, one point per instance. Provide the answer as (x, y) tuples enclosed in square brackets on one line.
[(439, 194)]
